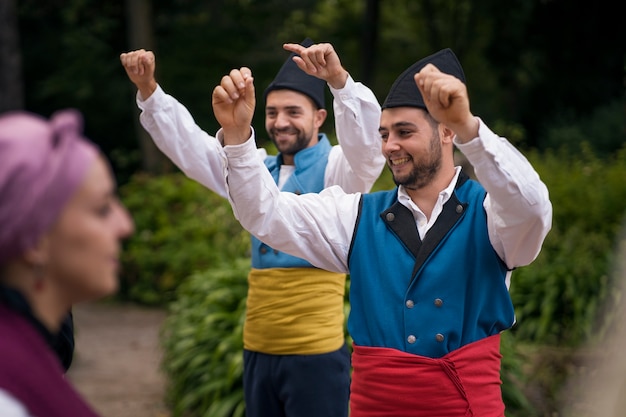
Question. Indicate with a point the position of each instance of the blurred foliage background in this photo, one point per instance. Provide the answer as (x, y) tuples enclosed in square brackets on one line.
[(553, 68), (547, 74)]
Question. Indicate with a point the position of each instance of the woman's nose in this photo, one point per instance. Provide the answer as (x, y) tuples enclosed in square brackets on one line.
[(125, 223)]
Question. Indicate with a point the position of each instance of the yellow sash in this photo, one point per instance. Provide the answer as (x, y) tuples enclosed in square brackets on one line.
[(294, 311)]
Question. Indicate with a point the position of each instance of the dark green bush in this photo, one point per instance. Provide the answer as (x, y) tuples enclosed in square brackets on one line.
[(562, 299), (514, 379), (557, 297), (181, 228), (203, 345), (604, 130)]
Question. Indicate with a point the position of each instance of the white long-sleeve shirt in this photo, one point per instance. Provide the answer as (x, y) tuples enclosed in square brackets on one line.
[(354, 165), (319, 227)]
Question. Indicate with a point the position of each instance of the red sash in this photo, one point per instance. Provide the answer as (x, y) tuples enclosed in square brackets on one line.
[(464, 383)]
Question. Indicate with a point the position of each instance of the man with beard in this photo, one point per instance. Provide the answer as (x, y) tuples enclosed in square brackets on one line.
[(430, 261), (296, 361)]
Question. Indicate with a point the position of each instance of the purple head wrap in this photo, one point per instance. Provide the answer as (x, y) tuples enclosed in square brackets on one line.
[(42, 164)]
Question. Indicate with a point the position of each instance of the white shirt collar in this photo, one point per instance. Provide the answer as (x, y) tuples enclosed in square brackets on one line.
[(420, 218)]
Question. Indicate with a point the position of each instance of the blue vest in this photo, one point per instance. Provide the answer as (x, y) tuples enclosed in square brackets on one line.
[(426, 297), (308, 177)]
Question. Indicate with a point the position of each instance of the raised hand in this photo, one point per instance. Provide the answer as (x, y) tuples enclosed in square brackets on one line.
[(233, 105), (140, 66), (447, 101), (321, 61)]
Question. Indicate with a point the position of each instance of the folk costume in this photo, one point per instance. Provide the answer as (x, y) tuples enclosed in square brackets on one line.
[(296, 362), (429, 296)]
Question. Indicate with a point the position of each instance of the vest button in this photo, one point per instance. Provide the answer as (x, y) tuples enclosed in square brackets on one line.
[(438, 302), (411, 339), (439, 337), (390, 217), (263, 250), (409, 304), (459, 208)]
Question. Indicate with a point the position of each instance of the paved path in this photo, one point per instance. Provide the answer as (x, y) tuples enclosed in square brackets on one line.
[(116, 365)]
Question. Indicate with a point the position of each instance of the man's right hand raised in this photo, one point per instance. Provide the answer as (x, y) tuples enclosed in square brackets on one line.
[(140, 66), (233, 105), (321, 61)]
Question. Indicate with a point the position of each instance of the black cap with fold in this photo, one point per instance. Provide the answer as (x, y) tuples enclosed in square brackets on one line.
[(404, 91), (290, 77)]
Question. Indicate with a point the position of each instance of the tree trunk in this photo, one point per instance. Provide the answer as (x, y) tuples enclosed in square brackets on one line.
[(11, 91), (141, 36), (370, 38)]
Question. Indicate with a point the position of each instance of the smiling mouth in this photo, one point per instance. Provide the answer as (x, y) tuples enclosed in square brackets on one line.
[(286, 131), (399, 161), (284, 135)]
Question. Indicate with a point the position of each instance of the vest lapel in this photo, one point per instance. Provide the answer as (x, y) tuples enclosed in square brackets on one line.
[(400, 220), (452, 211)]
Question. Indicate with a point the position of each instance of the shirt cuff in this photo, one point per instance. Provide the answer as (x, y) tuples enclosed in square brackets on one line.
[(348, 90), (477, 146), (152, 102), (238, 151)]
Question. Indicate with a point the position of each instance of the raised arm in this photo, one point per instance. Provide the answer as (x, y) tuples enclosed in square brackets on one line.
[(171, 126), (519, 212), (316, 227), (359, 157), (358, 162)]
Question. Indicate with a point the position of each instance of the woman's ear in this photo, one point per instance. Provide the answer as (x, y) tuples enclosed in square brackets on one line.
[(40, 253)]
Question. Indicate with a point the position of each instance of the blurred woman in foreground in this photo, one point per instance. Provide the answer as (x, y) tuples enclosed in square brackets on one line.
[(61, 227)]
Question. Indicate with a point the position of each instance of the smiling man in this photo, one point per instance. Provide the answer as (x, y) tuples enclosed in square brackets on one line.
[(430, 261), (296, 361)]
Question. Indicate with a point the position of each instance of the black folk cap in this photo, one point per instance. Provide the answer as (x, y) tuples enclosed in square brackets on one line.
[(290, 77), (404, 91)]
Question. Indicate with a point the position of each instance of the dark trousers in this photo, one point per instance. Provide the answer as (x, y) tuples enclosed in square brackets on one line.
[(297, 385)]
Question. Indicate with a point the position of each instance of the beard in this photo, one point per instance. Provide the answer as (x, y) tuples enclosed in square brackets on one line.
[(425, 170), (302, 140)]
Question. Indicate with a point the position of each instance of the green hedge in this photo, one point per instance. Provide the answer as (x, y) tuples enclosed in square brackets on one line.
[(181, 228), (559, 296), (203, 344)]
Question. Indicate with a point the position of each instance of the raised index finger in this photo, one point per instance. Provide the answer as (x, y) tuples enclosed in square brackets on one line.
[(294, 47)]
